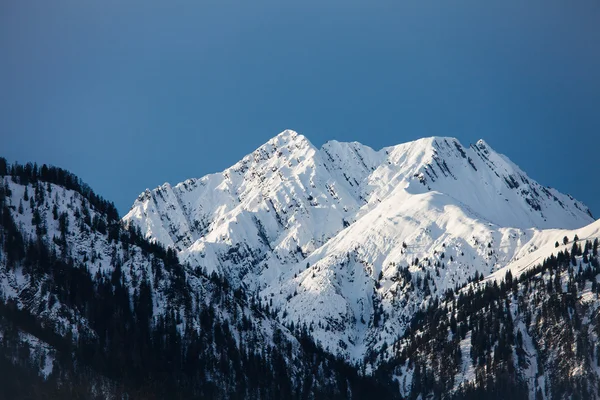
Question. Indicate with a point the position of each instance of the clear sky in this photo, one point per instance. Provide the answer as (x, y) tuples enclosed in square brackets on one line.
[(130, 94)]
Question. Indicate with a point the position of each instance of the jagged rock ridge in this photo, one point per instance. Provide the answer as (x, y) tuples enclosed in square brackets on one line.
[(324, 235)]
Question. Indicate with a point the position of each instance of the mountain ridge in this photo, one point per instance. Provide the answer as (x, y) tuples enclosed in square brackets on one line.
[(354, 216)]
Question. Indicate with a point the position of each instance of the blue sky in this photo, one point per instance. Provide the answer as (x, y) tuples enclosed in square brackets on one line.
[(130, 94)]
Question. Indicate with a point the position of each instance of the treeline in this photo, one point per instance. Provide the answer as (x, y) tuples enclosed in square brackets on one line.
[(32, 173)]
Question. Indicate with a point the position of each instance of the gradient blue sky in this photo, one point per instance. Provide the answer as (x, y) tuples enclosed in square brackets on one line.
[(130, 94)]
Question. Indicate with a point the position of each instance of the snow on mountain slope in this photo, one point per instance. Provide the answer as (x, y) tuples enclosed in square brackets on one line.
[(485, 182), (77, 289), (351, 241), (74, 230), (543, 245), (539, 327), (274, 206)]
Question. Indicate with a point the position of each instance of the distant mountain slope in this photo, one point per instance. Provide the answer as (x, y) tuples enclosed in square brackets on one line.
[(326, 235)]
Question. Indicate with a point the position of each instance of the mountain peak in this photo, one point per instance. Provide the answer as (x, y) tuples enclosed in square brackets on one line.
[(483, 146), (287, 145), (287, 137)]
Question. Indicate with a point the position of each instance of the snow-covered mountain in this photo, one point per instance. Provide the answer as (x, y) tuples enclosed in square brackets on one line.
[(350, 241), (435, 269)]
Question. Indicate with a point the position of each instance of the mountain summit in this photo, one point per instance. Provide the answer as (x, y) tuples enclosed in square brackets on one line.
[(322, 235)]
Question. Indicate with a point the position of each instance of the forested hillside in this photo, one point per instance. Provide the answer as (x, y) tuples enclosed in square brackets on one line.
[(90, 309)]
